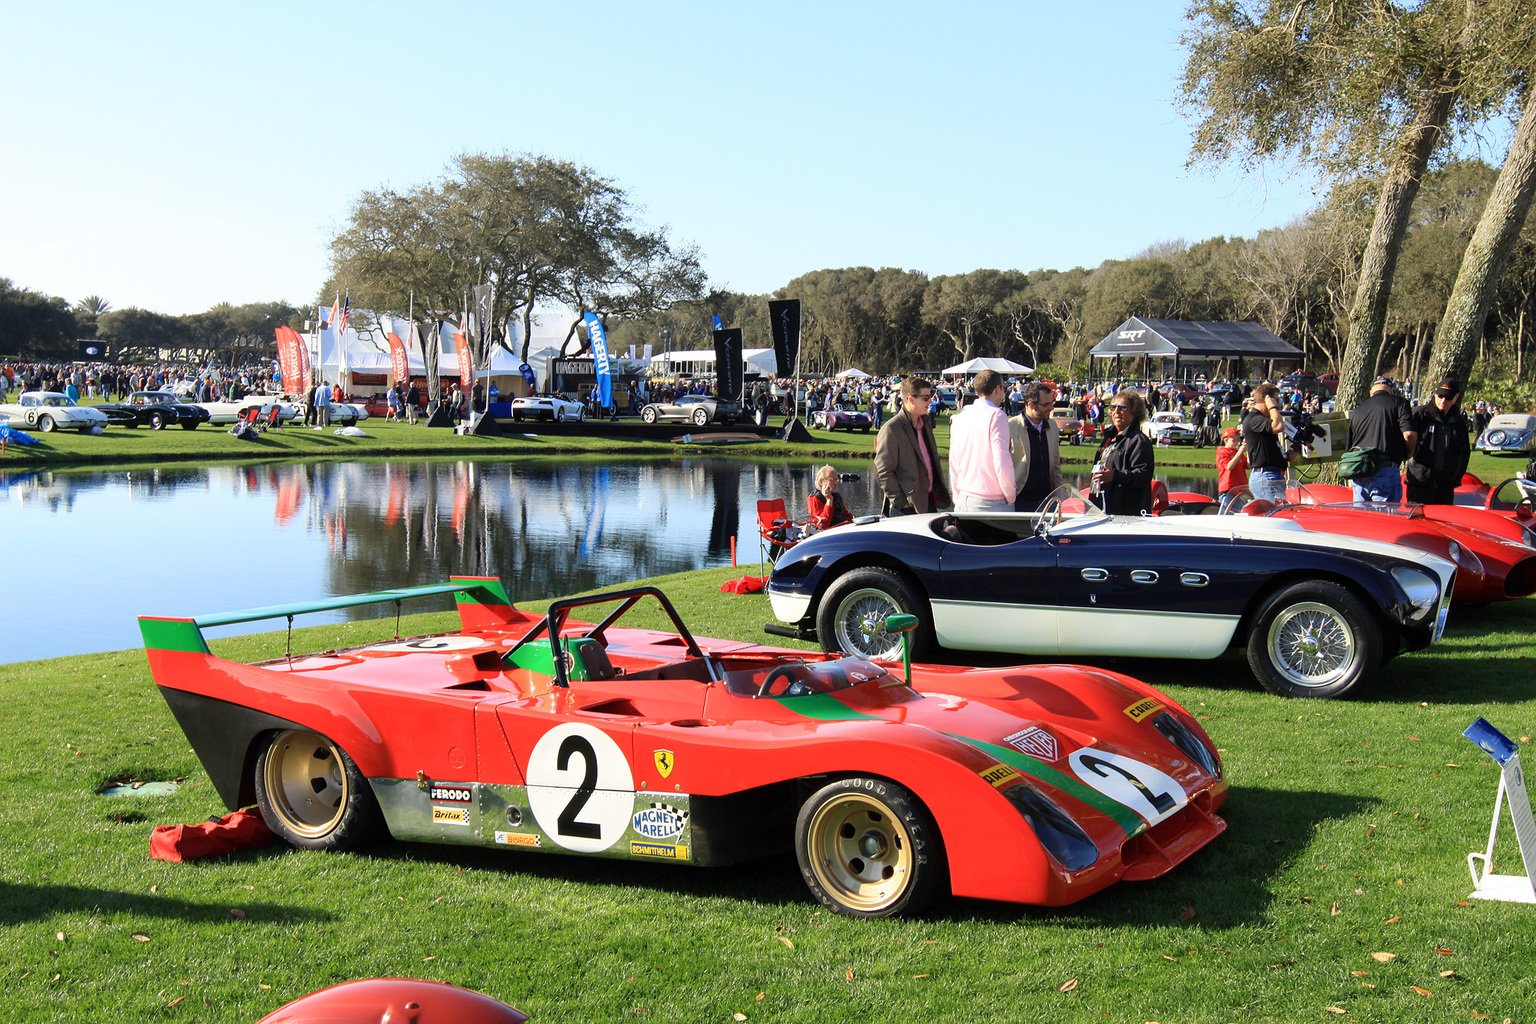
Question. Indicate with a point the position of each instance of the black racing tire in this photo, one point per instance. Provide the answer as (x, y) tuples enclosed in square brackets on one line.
[(312, 795), (648, 414), (868, 848), (871, 594), (517, 417), (192, 425), (1314, 639), (701, 417), (46, 424), (157, 421)]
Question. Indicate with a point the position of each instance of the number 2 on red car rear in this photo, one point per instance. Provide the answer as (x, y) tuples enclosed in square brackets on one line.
[(1125, 780), (580, 788)]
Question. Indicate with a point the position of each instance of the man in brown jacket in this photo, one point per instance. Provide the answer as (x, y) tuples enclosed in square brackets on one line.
[(907, 457)]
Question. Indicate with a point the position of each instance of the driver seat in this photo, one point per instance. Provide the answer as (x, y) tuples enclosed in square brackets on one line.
[(588, 660)]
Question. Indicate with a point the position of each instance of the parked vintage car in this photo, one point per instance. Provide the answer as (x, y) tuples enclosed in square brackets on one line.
[(1171, 428), (157, 410), (842, 419), (539, 733), (700, 410), (47, 411), (548, 407), (1509, 433), (343, 414), (1318, 615), (1073, 430)]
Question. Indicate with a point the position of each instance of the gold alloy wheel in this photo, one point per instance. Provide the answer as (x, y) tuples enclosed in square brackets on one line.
[(860, 852), (306, 783)]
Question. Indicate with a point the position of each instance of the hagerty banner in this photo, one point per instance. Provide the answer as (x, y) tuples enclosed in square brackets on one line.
[(293, 358)]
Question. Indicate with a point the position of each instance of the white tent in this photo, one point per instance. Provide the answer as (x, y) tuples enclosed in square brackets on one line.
[(755, 360), (854, 371), (988, 363)]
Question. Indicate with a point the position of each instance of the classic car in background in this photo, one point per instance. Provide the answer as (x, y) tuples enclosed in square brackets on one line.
[(841, 419), (157, 410), (1507, 510), (47, 411), (1509, 433), (1170, 428), (548, 407), (343, 414), (1073, 430), (700, 410), (613, 740), (1318, 615)]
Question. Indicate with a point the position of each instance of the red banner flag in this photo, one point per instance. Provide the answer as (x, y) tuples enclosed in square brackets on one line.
[(466, 361), (293, 358), (399, 355)]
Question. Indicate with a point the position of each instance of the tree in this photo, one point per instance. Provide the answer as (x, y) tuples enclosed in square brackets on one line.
[(140, 335), (539, 231), (35, 325), (1354, 87), (86, 312)]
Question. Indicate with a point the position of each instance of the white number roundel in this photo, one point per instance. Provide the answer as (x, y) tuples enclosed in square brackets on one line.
[(580, 788), (1125, 780), (434, 644)]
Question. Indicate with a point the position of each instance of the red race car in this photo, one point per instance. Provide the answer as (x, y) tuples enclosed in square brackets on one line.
[(1040, 784)]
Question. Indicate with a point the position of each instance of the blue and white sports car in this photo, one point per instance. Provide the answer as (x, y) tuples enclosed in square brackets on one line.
[(1318, 614)]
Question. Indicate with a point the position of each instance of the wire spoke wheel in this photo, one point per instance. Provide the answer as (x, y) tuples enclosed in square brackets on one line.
[(867, 607), (1312, 644)]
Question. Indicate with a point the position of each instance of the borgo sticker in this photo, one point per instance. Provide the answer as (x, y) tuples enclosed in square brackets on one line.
[(434, 644), (580, 788), (1128, 781)]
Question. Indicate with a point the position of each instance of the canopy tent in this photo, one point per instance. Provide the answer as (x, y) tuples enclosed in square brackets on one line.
[(854, 371), (754, 360), (1190, 339), (988, 363)]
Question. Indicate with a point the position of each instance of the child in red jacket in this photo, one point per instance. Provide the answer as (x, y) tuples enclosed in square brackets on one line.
[(1231, 467)]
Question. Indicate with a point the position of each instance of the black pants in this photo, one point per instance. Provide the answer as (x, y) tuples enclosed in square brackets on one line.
[(1421, 494)]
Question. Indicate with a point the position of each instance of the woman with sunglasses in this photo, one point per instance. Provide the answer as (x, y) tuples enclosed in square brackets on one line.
[(1125, 463)]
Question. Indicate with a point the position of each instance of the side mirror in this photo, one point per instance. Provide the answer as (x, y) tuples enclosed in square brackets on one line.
[(900, 623)]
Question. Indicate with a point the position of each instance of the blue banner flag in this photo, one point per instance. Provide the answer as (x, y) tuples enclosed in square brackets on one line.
[(719, 324), (600, 358), (527, 372)]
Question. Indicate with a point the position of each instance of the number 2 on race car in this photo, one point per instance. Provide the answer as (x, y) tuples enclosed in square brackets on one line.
[(580, 787), (1142, 788)]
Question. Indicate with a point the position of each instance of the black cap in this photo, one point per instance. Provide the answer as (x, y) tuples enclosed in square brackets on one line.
[(1388, 381), (1450, 387)]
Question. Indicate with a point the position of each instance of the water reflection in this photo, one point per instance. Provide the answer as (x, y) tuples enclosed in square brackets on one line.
[(100, 547)]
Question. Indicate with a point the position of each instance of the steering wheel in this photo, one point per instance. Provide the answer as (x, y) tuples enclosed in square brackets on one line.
[(782, 672)]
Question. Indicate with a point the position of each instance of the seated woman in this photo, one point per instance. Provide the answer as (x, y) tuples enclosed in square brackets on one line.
[(825, 504)]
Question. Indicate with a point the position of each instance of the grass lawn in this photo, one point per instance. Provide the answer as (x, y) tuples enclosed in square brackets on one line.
[(1339, 891)]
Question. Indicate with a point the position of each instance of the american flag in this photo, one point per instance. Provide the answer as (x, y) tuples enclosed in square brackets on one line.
[(345, 312)]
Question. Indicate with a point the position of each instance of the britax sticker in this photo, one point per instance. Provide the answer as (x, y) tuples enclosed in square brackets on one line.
[(660, 821), (517, 838), (1035, 742), (450, 816), (1142, 708), (450, 794)]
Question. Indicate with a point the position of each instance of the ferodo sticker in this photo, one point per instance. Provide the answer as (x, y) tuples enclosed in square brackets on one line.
[(450, 816), (1125, 780), (450, 794), (1000, 775), (434, 644), (580, 787), (1142, 708)]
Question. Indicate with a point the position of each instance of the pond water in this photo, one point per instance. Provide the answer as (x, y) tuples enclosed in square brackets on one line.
[(90, 551)]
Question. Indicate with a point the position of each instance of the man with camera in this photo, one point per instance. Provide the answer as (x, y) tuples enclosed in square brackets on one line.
[(1383, 426), (1263, 428)]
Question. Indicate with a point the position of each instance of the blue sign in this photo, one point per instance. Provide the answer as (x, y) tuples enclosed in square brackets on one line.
[(600, 357)]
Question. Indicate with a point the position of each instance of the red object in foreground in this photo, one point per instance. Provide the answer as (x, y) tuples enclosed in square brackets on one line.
[(388, 1000), (242, 830), (745, 585)]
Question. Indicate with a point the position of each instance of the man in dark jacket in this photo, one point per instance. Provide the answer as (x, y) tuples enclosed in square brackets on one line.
[(1440, 458), (907, 457), (1383, 423)]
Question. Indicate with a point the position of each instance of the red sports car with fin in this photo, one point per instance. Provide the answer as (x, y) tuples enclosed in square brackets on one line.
[(542, 733)]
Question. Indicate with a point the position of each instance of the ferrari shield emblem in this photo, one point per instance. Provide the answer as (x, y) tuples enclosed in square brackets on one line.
[(664, 762)]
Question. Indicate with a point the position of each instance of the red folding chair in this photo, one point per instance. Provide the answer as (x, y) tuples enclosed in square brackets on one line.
[(776, 531)]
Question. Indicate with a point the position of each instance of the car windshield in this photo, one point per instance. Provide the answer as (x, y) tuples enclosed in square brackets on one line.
[(58, 401), (1511, 493), (801, 679), (1406, 511)]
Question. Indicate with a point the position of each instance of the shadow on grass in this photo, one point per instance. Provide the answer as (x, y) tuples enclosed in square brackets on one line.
[(20, 903), (1230, 883)]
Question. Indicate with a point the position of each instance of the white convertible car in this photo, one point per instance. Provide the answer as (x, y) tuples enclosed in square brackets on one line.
[(548, 407), (343, 414), (48, 411)]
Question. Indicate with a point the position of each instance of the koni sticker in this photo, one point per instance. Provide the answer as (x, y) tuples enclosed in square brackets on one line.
[(1000, 775), (662, 850), (1142, 708), (660, 821), (1035, 742), (450, 816)]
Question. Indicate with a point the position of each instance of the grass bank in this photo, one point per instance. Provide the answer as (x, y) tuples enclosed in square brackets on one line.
[(1339, 891)]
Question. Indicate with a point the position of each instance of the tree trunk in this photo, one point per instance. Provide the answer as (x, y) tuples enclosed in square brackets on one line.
[(1368, 314), (1483, 264)]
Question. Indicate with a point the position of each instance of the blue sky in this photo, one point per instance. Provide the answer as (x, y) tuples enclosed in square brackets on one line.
[(172, 155)]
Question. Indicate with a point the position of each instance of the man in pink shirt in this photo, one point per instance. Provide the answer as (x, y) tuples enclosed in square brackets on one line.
[(980, 464)]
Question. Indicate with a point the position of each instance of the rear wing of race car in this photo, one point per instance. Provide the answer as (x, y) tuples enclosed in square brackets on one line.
[(482, 602)]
